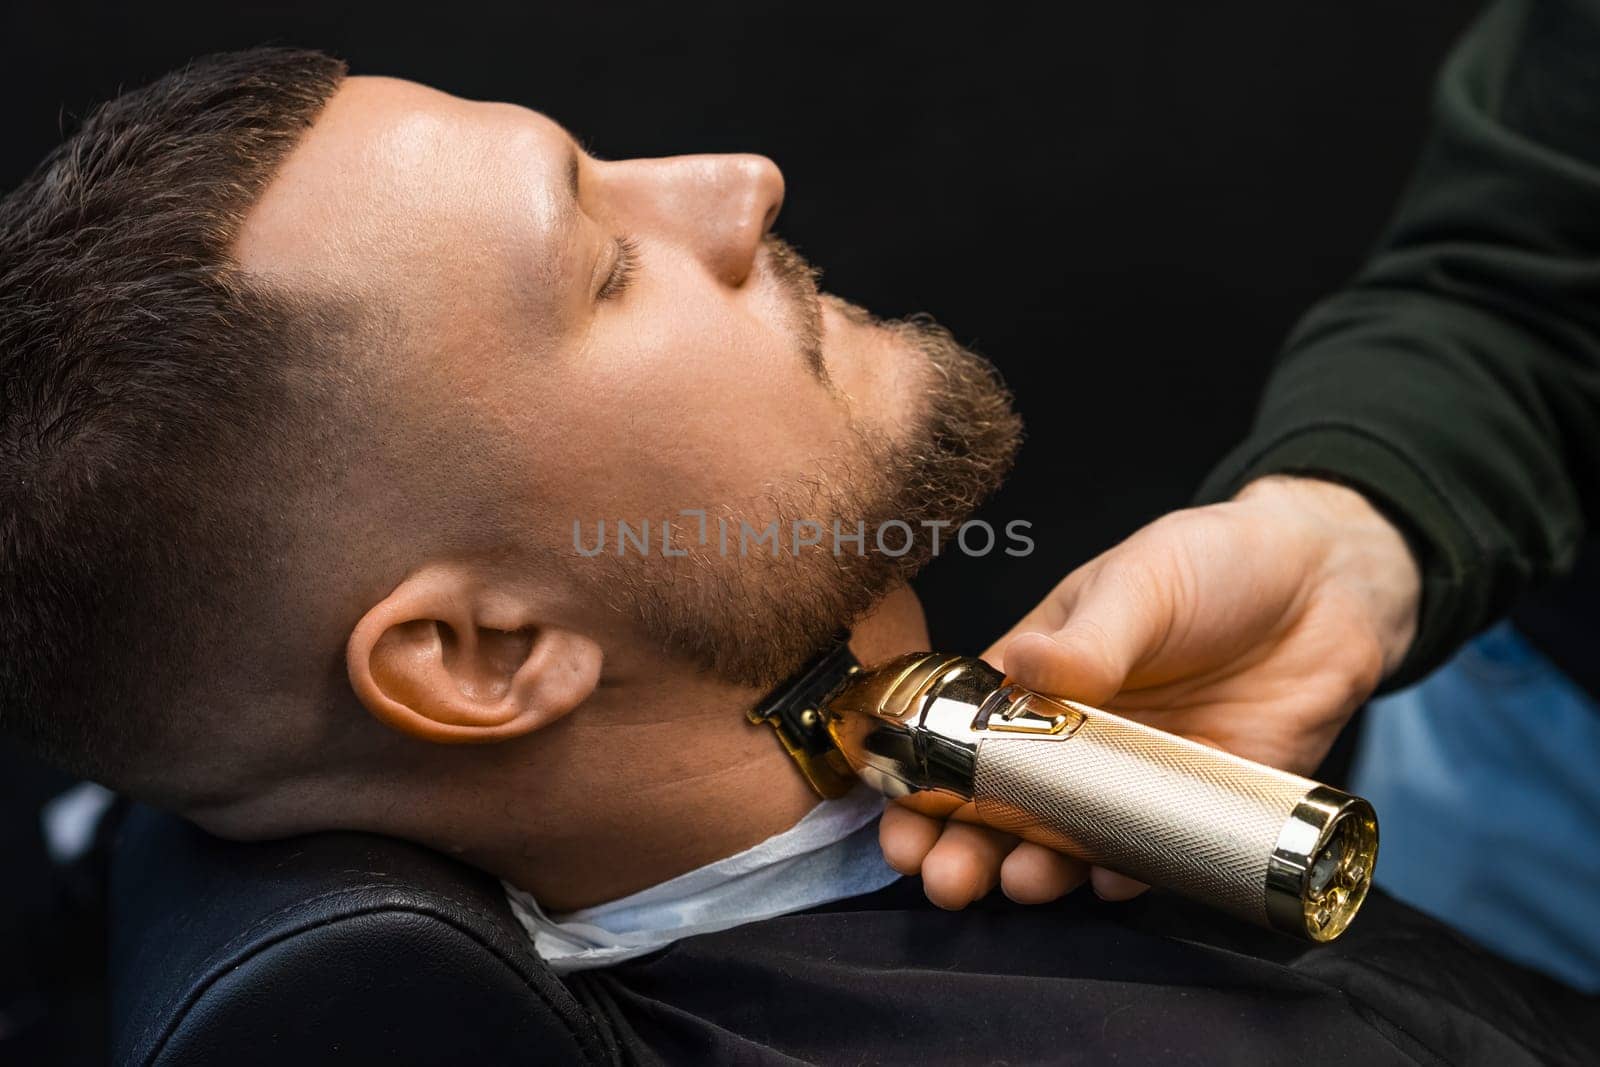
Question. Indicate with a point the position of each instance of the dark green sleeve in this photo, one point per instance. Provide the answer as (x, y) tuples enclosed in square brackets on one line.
[(1456, 381)]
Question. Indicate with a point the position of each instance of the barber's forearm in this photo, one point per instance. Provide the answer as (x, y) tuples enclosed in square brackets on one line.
[(1455, 382), (1464, 582)]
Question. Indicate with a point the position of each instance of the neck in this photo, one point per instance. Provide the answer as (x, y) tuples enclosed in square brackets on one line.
[(663, 779)]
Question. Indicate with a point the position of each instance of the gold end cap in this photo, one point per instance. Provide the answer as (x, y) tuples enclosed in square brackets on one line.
[(1320, 871)]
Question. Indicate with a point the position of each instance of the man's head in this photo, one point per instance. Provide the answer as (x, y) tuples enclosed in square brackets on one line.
[(309, 380)]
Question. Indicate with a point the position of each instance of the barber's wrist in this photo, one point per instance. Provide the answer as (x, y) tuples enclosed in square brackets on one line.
[(1353, 546)]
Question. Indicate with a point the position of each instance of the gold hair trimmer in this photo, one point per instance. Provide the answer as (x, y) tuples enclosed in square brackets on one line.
[(1265, 845)]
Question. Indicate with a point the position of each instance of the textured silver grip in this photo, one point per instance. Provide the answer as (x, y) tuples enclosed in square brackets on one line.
[(1268, 846), (1153, 806)]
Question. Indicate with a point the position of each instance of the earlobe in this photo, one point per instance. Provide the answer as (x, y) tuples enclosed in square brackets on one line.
[(444, 660)]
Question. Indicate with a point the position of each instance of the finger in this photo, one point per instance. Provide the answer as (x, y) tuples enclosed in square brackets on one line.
[(1033, 874), (965, 864), (906, 837), (1109, 885), (1048, 615), (1118, 620), (1200, 739)]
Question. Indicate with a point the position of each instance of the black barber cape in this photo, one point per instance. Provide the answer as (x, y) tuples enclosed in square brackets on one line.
[(887, 978)]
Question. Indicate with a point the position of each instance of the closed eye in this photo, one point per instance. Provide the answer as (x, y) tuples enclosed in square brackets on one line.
[(623, 268)]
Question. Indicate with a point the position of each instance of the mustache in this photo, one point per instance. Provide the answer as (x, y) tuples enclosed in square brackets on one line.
[(798, 280)]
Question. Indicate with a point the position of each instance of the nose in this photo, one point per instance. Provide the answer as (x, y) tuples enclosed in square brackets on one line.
[(717, 206)]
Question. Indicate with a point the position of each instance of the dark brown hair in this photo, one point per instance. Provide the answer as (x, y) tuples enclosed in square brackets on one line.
[(142, 398)]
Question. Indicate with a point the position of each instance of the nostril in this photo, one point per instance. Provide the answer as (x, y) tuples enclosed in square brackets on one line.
[(767, 184)]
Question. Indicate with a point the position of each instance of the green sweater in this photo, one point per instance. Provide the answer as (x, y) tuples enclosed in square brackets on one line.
[(1456, 381)]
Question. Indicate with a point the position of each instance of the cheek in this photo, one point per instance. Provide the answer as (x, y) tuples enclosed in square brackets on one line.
[(690, 402)]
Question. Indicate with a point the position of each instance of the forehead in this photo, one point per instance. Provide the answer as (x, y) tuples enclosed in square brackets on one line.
[(397, 180)]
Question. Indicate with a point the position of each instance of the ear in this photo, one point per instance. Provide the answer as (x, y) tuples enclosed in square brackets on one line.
[(448, 659)]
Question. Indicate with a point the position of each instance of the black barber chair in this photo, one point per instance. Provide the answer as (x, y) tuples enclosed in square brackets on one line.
[(332, 948)]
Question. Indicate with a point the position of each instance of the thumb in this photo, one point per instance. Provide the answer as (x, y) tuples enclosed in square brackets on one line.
[(1114, 626)]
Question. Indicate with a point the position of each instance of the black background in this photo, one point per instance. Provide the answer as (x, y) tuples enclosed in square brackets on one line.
[(1125, 206)]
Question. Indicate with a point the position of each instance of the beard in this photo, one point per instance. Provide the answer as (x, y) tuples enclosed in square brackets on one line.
[(754, 618)]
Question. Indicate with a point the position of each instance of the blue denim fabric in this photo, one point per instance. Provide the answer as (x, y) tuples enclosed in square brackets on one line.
[(1486, 779)]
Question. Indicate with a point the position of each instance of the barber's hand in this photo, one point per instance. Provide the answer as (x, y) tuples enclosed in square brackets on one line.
[(1258, 625)]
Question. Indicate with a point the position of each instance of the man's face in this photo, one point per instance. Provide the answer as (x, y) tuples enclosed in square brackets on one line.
[(623, 340)]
